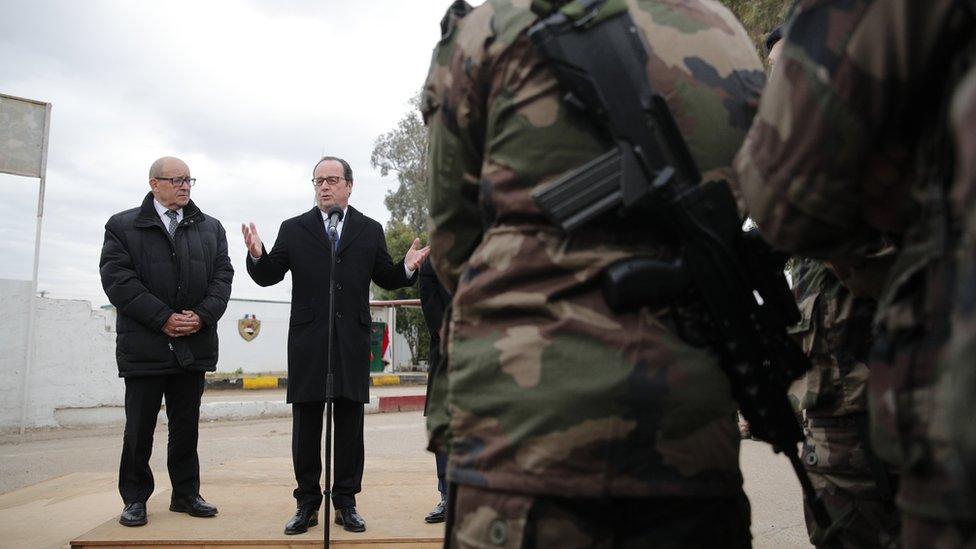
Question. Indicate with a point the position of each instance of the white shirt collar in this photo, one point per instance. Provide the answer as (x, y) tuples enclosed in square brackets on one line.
[(161, 212), (325, 216)]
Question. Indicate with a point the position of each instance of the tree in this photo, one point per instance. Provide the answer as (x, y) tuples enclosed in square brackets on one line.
[(403, 151), (410, 322)]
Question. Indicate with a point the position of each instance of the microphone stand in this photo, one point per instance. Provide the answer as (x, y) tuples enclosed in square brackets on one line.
[(333, 240)]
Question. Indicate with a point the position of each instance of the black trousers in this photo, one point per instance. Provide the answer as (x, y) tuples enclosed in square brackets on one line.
[(143, 396), (440, 460), (347, 448)]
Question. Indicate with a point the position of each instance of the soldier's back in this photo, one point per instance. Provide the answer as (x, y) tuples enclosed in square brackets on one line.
[(551, 393), (960, 383), (850, 151)]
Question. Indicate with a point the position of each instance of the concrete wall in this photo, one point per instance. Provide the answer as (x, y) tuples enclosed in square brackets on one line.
[(74, 365), (74, 378), (13, 336), (267, 352)]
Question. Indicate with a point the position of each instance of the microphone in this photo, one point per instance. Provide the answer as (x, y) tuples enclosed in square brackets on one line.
[(335, 216)]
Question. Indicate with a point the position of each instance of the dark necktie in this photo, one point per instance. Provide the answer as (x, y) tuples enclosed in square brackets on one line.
[(172, 223)]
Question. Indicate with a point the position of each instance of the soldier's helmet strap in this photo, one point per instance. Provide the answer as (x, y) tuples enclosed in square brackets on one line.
[(583, 13)]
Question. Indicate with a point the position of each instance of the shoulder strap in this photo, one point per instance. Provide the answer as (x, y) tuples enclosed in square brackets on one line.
[(583, 13)]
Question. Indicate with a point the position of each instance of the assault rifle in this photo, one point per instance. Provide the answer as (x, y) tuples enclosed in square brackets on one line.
[(600, 61)]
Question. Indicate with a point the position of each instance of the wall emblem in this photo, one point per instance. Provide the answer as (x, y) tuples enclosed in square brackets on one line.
[(249, 327)]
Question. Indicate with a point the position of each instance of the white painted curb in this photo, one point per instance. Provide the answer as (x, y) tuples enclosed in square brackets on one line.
[(105, 416), (244, 409), (373, 406)]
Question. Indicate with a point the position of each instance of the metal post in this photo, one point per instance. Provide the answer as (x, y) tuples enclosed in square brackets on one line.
[(329, 396), (393, 333), (390, 315), (32, 307)]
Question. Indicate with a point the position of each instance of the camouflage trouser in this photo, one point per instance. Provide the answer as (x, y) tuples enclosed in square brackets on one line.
[(918, 532), (842, 475), (489, 519)]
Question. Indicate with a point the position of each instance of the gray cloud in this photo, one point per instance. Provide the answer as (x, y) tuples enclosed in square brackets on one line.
[(249, 93)]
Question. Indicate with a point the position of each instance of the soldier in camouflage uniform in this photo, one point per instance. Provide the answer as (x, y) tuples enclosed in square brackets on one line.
[(570, 425), (836, 334), (849, 149), (961, 381)]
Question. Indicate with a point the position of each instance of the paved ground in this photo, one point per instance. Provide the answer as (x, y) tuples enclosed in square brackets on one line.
[(40, 455), (29, 463), (279, 394)]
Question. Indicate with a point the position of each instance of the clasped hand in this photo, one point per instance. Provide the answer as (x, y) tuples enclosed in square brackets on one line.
[(182, 324)]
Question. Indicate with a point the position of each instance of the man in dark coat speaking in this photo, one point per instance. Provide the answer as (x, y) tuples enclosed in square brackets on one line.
[(303, 247), (164, 266)]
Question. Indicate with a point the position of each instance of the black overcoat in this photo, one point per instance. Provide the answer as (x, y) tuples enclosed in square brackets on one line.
[(148, 277), (434, 299), (303, 248)]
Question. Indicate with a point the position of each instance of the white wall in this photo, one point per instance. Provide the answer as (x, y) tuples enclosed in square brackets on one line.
[(401, 351), (74, 365), (13, 333), (267, 352), (74, 374)]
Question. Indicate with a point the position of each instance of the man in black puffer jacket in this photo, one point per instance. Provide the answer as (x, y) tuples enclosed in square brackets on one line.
[(164, 267)]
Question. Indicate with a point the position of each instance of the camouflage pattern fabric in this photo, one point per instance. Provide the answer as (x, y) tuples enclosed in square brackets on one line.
[(918, 531), (485, 518), (548, 391), (843, 156), (836, 334), (835, 458), (961, 378)]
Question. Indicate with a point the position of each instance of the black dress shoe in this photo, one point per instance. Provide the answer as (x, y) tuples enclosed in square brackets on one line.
[(194, 506), (134, 514), (437, 515), (350, 520), (305, 518)]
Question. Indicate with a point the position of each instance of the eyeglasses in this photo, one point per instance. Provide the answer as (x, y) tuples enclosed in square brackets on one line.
[(179, 181), (332, 180)]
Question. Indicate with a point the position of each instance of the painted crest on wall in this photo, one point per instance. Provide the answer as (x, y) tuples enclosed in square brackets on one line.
[(249, 327)]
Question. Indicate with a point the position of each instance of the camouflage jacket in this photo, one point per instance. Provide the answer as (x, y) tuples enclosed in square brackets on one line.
[(845, 153), (961, 381), (548, 391), (836, 334)]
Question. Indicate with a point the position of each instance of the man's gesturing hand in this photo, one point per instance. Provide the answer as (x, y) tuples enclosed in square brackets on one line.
[(415, 257), (252, 240), (179, 325)]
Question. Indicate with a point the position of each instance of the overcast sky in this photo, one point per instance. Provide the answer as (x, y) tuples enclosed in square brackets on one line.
[(249, 93)]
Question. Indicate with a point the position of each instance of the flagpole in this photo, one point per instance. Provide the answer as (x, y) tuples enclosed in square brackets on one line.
[(32, 307)]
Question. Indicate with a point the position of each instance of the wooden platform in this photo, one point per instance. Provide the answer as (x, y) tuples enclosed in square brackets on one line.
[(255, 502)]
